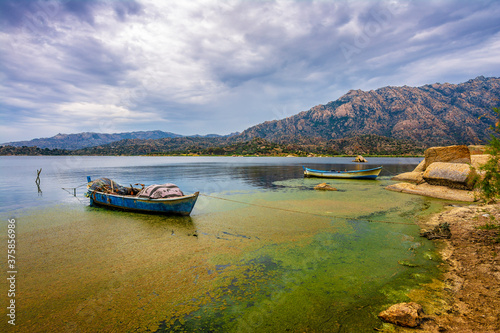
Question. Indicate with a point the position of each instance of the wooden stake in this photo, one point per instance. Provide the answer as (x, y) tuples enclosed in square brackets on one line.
[(37, 180)]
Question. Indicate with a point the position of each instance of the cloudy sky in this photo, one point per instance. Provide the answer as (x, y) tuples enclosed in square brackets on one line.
[(207, 66)]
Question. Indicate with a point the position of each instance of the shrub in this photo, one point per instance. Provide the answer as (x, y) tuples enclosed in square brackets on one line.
[(489, 185)]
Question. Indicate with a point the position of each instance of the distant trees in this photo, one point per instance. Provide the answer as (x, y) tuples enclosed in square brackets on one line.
[(31, 151), (284, 146)]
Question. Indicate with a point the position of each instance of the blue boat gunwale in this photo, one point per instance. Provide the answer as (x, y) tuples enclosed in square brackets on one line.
[(338, 171), (133, 197)]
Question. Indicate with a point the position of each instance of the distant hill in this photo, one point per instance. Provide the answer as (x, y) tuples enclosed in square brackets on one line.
[(144, 147), (434, 114), (89, 139)]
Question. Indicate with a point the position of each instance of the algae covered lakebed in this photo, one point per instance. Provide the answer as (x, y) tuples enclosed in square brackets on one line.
[(261, 252)]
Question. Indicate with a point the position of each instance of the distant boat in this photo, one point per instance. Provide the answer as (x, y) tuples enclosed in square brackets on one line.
[(177, 205), (353, 174)]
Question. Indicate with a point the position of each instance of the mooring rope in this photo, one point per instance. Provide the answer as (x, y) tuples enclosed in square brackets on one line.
[(307, 213), (73, 192), (392, 174), (279, 208)]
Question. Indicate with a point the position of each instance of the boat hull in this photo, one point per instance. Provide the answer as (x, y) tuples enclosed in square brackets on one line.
[(169, 206), (354, 174)]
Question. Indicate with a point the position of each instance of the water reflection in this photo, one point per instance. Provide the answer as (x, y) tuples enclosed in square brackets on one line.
[(176, 225), (39, 189)]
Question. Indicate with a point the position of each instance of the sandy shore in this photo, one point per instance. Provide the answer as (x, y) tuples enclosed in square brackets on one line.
[(470, 290)]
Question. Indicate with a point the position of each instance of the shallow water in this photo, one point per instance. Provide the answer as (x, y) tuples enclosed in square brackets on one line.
[(290, 259)]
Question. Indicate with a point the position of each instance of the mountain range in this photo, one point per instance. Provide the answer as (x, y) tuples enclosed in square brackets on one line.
[(90, 139), (375, 121), (435, 114)]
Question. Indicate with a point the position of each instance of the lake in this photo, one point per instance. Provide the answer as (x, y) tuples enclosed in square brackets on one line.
[(261, 252)]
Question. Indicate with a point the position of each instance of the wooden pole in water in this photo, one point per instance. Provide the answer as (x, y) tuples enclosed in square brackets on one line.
[(38, 172)]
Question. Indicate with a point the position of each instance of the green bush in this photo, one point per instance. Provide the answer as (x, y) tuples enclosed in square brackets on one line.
[(489, 186)]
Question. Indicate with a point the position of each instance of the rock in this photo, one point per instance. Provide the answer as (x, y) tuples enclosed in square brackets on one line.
[(412, 177), (407, 263), (324, 187), (451, 154), (453, 175), (360, 159), (442, 231), (440, 192), (477, 150), (420, 167), (479, 160), (403, 314)]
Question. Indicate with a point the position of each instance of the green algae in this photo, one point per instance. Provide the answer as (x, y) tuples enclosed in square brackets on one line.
[(327, 280)]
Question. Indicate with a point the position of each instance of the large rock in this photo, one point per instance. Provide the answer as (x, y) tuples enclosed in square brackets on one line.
[(403, 314), (453, 175), (360, 159), (479, 160), (440, 192), (420, 167), (412, 177), (451, 154), (477, 150)]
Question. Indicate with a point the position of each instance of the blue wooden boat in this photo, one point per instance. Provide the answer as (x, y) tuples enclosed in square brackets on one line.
[(182, 205), (353, 174)]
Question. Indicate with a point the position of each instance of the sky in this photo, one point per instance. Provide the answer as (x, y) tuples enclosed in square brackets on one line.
[(207, 66)]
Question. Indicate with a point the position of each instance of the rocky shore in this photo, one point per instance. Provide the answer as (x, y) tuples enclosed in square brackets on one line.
[(471, 289), (467, 298)]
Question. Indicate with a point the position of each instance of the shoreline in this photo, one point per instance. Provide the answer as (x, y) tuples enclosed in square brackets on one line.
[(466, 298)]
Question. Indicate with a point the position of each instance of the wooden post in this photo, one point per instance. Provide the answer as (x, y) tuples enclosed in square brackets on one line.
[(37, 180)]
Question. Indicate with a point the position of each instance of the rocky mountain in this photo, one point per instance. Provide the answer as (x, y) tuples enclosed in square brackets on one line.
[(89, 139), (434, 114)]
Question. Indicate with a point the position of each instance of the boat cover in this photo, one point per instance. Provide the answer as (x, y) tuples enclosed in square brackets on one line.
[(161, 191)]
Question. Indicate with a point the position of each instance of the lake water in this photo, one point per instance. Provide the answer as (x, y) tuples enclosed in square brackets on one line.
[(261, 252)]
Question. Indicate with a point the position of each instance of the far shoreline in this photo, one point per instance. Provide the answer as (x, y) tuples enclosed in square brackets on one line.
[(194, 155)]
